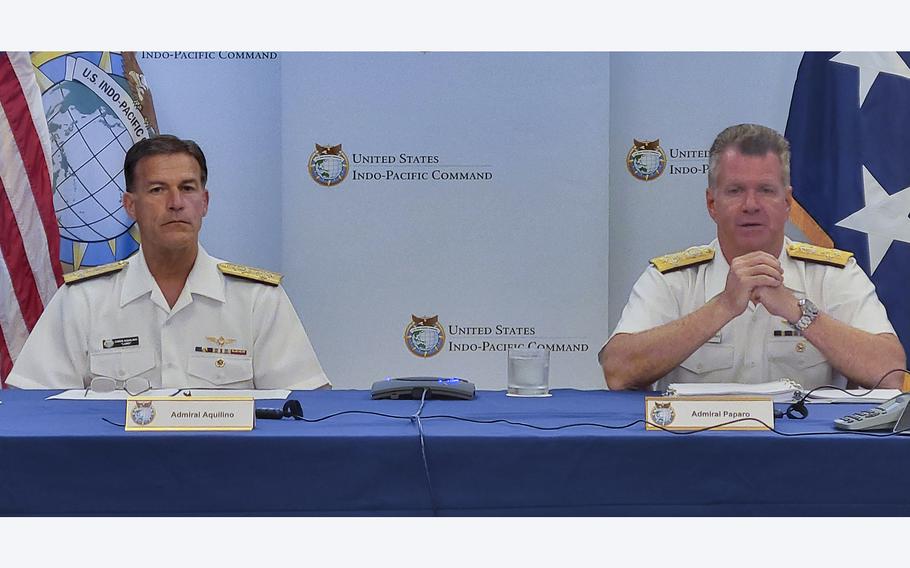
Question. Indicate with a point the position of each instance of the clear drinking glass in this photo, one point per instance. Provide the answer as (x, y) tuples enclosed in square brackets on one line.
[(529, 372)]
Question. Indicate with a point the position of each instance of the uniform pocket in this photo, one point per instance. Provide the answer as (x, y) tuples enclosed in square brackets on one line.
[(794, 352), (796, 358), (708, 358), (221, 370), (121, 364)]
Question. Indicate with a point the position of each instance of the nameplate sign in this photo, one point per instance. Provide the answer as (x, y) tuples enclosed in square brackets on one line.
[(157, 414), (715, 412)]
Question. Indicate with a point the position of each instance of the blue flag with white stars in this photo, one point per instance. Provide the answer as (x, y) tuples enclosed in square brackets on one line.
[(849, 132)]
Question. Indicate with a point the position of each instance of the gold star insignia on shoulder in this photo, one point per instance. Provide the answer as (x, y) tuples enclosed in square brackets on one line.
[(250, 273), (94, 272), (820, 255), (692, 256)]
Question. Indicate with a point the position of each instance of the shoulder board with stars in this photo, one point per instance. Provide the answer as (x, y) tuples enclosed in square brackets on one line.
[(821, 255), (94, 272), (692, 256), (250, 273)]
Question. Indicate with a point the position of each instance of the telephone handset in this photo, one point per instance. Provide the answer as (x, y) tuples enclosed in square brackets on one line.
[(882, 417)]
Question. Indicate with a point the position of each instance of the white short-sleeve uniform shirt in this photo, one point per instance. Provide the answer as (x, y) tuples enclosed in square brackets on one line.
[(223, 332), (755, 346)]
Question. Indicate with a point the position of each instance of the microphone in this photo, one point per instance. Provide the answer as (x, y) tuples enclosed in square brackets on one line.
[(291, 409)]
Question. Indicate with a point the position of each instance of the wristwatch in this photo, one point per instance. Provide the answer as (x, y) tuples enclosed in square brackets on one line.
[(810, 312)]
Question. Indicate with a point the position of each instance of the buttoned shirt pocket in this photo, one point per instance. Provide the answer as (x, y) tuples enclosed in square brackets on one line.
[(796, 358), (222, 370), (710, 362), (121, 363)]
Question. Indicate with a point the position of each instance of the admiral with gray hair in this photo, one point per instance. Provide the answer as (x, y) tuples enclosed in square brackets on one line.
[(752, 305)]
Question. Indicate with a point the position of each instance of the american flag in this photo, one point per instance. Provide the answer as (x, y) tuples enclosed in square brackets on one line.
[(849, 130), (30, 270)]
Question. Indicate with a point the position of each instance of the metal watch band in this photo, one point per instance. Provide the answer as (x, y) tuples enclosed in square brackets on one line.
[(810, 312)]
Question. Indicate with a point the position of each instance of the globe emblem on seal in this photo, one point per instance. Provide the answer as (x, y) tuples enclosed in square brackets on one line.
[(646, 160), (662, 414), (328, 165), (424, 336), (143, 413), (89, 139)]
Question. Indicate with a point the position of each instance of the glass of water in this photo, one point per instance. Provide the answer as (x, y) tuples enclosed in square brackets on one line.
[(529, 372)]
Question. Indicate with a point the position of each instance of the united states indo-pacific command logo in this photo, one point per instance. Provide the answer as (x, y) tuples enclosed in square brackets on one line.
[(646, 160), (97, 105), (662, 414), (328, 165), (424, 336), (143, 413)]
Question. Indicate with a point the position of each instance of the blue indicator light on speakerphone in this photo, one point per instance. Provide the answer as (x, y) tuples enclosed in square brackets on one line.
[(440, 380), (418, 387)]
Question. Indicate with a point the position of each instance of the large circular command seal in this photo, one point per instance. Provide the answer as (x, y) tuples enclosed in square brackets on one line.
[(328, 165), (424, 336), (646, 160)]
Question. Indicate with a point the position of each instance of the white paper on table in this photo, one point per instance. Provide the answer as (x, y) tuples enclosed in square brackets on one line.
[(874, 396), (257, 394), (782, 390)]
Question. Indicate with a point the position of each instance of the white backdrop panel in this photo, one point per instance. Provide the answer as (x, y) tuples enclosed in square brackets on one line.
[(524, 249)]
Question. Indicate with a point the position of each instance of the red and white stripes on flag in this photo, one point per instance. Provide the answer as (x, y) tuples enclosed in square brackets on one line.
[(30, 271)]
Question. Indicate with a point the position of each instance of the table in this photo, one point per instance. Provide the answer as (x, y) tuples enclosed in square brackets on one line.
[(61, 458)]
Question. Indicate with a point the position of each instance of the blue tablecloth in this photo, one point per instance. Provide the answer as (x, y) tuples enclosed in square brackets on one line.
[(62, 458)]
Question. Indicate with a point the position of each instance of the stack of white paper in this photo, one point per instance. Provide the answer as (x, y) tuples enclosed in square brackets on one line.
[(856, 396), (783, 390), (257, 394)]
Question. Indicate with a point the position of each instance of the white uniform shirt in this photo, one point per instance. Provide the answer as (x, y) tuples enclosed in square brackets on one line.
[(746, 350), (120, 326)]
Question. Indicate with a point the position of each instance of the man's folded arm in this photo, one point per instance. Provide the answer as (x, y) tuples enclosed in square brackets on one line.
[(862, 357), (854, 332), (636, 360)]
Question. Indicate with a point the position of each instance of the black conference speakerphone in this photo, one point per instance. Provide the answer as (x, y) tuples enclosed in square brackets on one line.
[(414, 387)]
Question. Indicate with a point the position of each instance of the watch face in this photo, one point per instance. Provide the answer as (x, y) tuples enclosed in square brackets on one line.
[(809, 308), (810, 312)]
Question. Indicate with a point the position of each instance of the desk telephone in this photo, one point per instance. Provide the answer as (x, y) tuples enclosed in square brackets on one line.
[(889, 414)]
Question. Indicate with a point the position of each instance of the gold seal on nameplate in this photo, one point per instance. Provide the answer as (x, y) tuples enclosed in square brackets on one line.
[(663, 414)]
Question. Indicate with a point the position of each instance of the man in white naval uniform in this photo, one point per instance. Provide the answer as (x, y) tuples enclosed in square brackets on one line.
[(171, 314), (752, 306)]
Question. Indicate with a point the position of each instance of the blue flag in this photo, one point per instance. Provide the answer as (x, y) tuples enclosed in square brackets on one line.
[(849, 130)]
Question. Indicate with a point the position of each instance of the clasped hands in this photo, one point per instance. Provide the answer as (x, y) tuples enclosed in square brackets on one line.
[(758, 276)]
